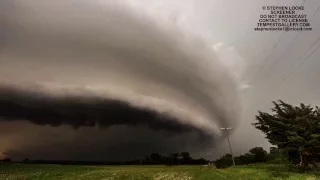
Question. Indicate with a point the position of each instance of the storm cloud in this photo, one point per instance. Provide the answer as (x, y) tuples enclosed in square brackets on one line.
[(77, 111), (81, 63)]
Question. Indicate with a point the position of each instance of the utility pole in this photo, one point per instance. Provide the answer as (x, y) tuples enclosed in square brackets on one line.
[(226, 129)]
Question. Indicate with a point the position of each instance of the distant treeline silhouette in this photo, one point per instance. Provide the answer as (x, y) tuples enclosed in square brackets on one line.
[(182, 158)]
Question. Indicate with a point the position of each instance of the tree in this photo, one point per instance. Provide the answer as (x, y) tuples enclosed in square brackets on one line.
[(274, 150), (25, 160), (259, 155), (224, 161), (155, 158), (6, 160), (175, 158), (294, 129), (277, 156), (4, 157), (186, 158)]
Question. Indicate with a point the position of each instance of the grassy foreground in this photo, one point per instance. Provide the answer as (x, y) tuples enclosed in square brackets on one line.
[(65, 172)]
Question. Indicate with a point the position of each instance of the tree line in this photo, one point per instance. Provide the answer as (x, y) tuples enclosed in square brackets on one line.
[(293, 130), (182, 158), (255, 155)]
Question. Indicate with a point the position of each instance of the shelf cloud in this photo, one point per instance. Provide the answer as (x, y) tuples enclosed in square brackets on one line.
[(82, 64)]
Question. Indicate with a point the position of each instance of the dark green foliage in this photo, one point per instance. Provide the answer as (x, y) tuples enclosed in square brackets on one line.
[(277, 156), (259, 155), (183, 158), (224, 161), (247, 158), (255, 155), (274, 150), (156, 158), (295, 129)]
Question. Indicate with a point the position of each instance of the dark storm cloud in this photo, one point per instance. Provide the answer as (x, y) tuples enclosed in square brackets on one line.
[(134, 58), (45, 109), (119, 142), (124, 131), (131, 70)]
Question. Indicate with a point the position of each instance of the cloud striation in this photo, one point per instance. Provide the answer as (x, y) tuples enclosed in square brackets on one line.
[(83, 63)]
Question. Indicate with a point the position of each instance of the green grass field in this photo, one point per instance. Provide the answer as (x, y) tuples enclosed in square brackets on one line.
[(66, 172)]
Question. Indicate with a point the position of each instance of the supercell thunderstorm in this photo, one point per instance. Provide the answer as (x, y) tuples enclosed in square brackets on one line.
[(81, 64)]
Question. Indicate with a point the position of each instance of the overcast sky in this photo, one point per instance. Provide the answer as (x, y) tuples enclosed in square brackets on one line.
[(288, 71), (272, 65)]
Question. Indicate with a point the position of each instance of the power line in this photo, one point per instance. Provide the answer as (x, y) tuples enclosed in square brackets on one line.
[(316, 11), (245, 36), (284, 75), (267, 57), (292, 42), (277, 60)]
